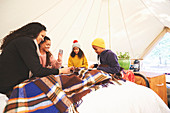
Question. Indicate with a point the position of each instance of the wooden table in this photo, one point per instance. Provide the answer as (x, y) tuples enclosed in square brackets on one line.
[(157, 83)]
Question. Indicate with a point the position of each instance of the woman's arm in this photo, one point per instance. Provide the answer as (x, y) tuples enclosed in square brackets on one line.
[(70, 62), (28, 52), (85, 63), (55, 63)]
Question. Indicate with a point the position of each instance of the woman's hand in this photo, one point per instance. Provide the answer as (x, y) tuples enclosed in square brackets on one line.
[(60, 56), (66, 70), (92, 66)]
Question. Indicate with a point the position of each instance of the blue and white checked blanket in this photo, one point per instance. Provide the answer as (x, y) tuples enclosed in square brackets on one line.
[(54, 93)]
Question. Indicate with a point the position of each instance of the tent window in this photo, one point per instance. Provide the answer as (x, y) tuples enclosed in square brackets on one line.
[(158, 60)]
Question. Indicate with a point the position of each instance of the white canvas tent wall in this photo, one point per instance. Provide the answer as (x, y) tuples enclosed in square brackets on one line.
[(125, 25)]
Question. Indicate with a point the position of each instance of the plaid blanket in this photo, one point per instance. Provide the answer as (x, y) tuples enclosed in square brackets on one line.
[(54, 93)]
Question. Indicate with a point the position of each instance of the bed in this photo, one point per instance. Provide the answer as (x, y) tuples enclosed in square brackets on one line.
[(127, 98), (84, 91)]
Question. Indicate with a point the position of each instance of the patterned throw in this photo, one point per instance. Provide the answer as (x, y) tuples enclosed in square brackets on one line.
[(54, 93)]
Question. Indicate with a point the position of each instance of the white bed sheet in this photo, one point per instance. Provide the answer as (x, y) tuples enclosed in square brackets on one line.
[(126, 98), (3, 102)]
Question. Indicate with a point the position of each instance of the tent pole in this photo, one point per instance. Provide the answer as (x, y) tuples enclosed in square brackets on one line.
[(109, 24), (126, 29)]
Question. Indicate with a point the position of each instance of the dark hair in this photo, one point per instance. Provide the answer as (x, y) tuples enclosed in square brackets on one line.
[(48, 54), (80, 53), (45, 38), (31, 30)]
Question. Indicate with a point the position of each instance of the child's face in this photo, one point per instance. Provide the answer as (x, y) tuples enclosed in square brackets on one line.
[(46, 45), (76, 50), (98, 50)]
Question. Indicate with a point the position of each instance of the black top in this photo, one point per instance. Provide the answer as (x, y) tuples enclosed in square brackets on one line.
[(109, 62), (17, 59)]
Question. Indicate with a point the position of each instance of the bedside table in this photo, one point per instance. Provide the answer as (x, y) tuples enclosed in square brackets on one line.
[(157, 83)]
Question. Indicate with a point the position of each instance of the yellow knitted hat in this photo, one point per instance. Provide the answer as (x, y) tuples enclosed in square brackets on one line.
[(99, 42)]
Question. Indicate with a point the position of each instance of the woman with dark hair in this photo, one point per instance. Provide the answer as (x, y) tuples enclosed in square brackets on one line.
[(20, 56), (77, 57), (46, 57)]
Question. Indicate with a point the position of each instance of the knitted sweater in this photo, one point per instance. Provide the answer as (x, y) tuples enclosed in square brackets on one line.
[(109, 62), (77, 62), (54, 63)]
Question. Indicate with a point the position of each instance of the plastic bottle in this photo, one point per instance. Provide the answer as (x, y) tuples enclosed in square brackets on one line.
[(136, 66)]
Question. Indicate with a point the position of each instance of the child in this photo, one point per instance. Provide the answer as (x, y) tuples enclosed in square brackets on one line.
[(108, 59), (77, 57), (46, 58)]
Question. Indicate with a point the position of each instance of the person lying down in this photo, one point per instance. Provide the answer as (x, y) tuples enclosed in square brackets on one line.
[(68, 92)]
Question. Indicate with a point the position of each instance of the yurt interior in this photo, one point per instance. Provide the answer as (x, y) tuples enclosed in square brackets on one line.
[(139, 29)]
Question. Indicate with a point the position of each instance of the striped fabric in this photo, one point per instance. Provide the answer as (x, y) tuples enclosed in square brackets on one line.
[(89, 79), (54, 93)]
